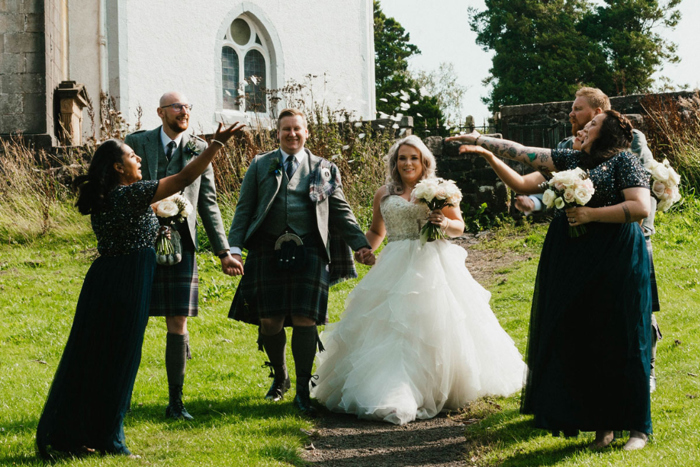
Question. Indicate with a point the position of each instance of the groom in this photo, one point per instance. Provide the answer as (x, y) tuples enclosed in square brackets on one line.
[(165, 151), (290, 203)]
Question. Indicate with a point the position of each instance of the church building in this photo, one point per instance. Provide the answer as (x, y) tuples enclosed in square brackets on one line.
[(57, 57)]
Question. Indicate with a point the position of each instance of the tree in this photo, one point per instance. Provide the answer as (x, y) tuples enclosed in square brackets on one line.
[(397, 91), (626, 31), (544, 50), (442, 83)]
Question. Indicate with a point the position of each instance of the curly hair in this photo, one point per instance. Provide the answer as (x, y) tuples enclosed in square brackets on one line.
[(615, 135), (101, 177), (393, 177)]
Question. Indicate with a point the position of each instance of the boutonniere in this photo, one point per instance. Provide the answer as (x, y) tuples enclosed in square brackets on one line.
[(275, 167), (191, 149)]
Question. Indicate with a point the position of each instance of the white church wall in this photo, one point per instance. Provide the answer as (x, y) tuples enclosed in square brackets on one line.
[(176, 45)]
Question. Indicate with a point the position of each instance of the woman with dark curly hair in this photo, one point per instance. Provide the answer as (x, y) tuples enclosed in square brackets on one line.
[(589, 346), (90, 393)]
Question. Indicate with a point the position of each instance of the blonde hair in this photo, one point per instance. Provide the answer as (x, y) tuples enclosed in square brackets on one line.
[(393, 177), (595, 98)]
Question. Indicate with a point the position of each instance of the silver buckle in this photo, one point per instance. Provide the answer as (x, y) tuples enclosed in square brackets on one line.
[(288, 237)]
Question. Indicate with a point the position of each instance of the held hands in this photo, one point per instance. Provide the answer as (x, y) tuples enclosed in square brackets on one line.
[(365, 256), (524, 204), (232, 265)]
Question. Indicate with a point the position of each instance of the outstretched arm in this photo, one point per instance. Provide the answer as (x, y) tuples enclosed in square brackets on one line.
[(522, 184), (539, 159)]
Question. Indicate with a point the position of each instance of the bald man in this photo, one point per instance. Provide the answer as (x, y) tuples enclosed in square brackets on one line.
[(165, 151)]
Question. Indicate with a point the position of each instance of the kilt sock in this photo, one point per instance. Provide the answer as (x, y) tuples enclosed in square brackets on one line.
[(274, 348)]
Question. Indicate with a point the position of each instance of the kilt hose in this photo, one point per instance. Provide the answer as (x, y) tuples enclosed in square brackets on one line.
[(266, 291), (176, 288)]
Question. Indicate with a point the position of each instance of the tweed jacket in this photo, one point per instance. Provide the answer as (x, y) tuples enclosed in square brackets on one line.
[(261, 184), (201, 193)]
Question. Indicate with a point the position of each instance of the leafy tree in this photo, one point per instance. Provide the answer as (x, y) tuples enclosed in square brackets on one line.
[(396, 89), (545, 49), (442, 83), (626, 30)]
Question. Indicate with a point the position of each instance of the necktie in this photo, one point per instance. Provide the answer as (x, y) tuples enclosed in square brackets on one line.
[(291, 166), (169, 152)]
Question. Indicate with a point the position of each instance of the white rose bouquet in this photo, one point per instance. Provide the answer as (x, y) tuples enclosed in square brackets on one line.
[(436, 193), (566, 189), (664, 184), (170, 210)]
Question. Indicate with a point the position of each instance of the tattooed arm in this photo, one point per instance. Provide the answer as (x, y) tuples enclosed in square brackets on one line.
[(634, 208), (523, 184), (539, 159)]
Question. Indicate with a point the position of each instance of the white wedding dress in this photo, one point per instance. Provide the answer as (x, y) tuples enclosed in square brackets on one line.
[(417, 336)]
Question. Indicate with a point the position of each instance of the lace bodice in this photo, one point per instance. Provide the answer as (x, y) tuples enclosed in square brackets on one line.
[(402, 218)]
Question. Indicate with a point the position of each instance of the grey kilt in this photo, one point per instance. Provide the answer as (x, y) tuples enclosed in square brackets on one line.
[(652, 278), (176, 288), (265, 291)]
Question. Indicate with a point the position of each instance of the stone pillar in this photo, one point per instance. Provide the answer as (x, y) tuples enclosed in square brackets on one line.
[(72, 99)]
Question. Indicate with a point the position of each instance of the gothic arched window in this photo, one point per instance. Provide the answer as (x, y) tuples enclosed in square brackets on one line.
[(244, 67)]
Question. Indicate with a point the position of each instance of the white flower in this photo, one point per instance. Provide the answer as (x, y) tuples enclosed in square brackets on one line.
[(548, 198), (673, 176), (569, 195), (167, 208), (426, 190), (660, 172), (559, 203), (658, 188), (582, 195)]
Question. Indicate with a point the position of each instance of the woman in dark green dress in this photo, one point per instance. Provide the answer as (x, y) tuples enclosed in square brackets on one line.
[(90, 394), (589, 347)]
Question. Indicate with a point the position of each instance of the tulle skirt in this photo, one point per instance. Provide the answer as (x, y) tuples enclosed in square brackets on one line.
[(417, 337), (92, 387)]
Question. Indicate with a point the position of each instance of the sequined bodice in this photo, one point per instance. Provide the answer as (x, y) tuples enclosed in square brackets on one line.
[(609, 178), (403, 219), (127, 223)]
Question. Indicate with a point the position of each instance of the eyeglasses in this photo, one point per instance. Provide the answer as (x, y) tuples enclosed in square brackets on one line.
[(177, 107)]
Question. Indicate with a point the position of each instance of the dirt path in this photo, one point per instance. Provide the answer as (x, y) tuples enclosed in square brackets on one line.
[(343, 440)]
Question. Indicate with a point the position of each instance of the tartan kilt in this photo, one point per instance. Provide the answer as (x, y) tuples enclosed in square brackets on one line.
[(176, 288), (265, 291), (652, 279)]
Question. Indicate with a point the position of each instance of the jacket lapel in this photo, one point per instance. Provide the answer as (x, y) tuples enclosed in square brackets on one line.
[(153, 150)]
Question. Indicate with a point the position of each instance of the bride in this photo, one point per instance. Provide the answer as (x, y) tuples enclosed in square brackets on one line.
[(417, 336)]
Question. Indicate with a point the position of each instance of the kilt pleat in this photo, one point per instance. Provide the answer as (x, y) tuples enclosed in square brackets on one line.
[(265, 291), (176, 288)]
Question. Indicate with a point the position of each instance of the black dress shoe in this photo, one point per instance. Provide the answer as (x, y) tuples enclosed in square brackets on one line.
[(278, 389), (176, 409), (302, 401)]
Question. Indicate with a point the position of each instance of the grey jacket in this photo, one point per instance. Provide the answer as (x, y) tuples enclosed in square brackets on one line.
[(201, 193), (260, 186)]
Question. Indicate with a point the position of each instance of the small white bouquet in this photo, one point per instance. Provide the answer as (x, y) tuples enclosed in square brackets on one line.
[(566, 189), (170, 210), (664, 184), (436, 193)]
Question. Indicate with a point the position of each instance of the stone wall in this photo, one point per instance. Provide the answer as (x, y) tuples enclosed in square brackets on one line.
[(30, 67)]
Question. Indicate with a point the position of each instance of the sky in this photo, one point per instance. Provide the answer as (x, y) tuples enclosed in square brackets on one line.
[(441, 31)]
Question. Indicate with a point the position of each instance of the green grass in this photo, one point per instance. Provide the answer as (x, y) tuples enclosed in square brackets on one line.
[(41, 277)]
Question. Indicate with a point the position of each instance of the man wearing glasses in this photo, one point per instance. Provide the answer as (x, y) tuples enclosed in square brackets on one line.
[(165, 151)]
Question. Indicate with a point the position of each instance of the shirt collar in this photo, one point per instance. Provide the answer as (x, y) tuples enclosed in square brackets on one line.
[(165, 139), (298, 156)]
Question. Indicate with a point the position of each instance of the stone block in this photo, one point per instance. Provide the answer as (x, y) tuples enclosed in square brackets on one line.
[(10, 23), (12, 64), (35, 63), (34, 103), (32, 6), (10, 6), (34, 23), (32, 83), (24, 42), (25, 123), (11, 104), (2, 43)]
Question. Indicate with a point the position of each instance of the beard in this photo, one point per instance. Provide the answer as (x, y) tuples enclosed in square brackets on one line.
[(575, 127), (178, 126)]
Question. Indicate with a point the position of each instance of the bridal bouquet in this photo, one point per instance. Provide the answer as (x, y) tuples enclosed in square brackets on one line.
[(566, 189), (664, 184), (436, 193), (170, 210)]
